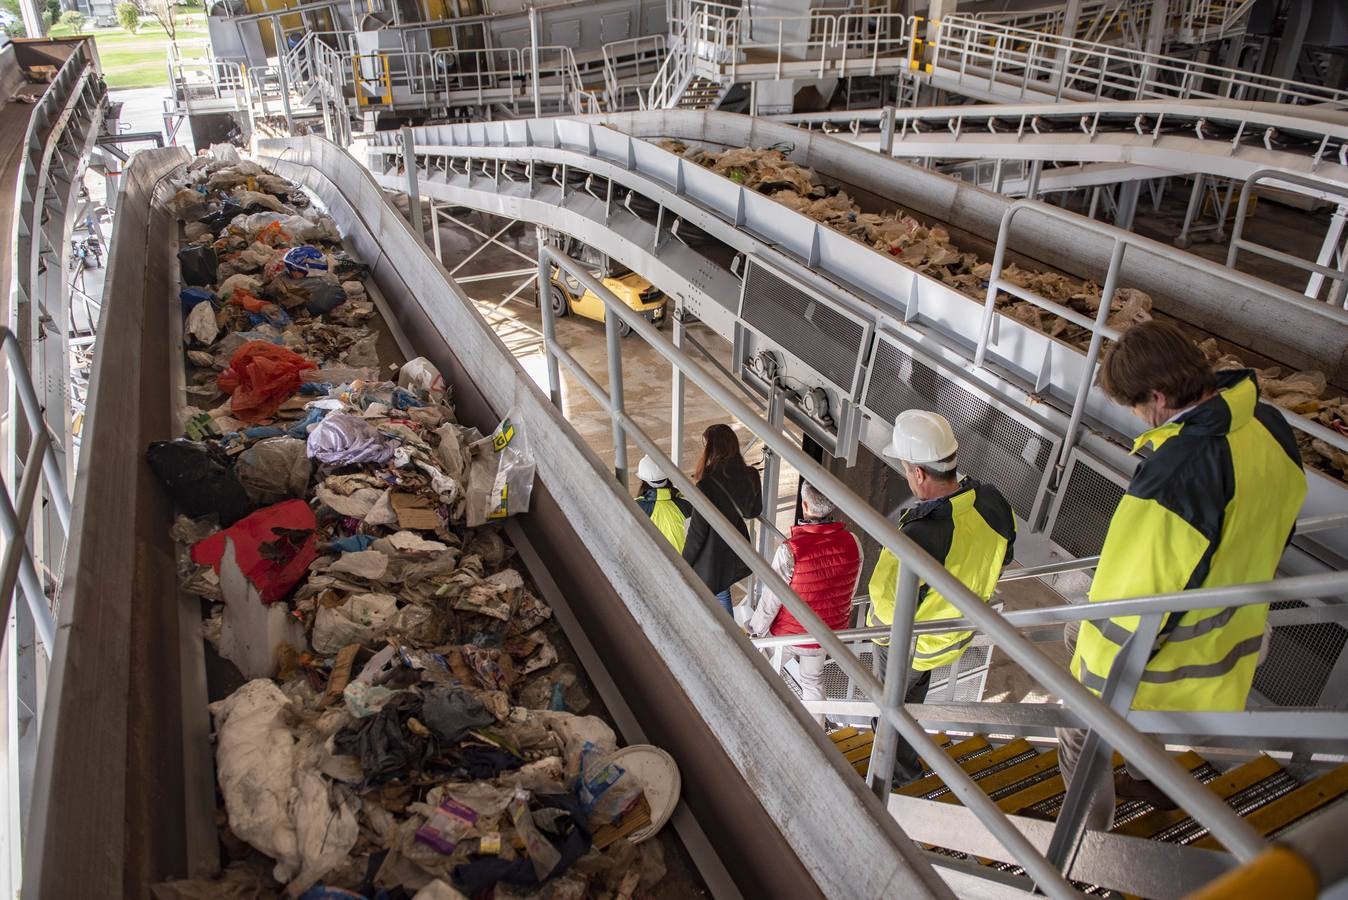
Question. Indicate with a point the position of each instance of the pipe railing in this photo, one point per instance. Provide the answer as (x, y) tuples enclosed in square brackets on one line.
[(1327, 141), (1332, 246), (1234, 833), (1099, 327), (1297, 587), (1033, 62)]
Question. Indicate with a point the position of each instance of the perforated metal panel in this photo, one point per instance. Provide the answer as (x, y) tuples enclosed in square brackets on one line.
[(809, 328), (1086, 502), (1299, 661), (994, 447)]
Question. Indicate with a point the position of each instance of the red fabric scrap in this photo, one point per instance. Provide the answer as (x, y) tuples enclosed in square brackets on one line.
[(271, 547)]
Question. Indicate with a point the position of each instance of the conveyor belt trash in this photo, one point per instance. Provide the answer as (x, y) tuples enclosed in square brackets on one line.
[(392, 713)]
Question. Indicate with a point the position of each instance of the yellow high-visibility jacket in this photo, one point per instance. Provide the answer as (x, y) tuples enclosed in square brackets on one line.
[(971, 532), (1214, 505)]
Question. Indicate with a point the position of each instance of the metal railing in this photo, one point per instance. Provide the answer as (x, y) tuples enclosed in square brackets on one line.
[(1098, 326), (1195, 21), (1007, 62), (1101, 718), (728, 44), (35, 462), (1217, 127), (1331, 248), (630, 68)]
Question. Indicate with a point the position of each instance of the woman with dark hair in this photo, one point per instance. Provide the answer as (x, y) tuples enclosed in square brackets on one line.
[(737, 491)]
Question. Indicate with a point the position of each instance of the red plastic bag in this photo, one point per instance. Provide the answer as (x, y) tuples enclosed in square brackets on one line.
[(260, 377), (273, 547)]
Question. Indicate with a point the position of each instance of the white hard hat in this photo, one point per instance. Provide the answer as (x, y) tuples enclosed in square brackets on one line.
[(649, 471), (923, 438)]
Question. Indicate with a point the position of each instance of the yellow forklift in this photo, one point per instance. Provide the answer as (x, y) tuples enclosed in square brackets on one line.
[(569, 296)]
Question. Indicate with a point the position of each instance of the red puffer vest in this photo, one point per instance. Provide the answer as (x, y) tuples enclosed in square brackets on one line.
[(828, 563)]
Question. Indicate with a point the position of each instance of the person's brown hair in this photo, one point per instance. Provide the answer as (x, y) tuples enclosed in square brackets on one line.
[(720, 451), (1155, 356)]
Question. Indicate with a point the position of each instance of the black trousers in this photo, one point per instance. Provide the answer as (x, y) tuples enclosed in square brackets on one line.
[(906, 764)]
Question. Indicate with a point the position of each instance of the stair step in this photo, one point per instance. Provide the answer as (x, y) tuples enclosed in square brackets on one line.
[(932, 786), (1283, 811), (1227, 785)]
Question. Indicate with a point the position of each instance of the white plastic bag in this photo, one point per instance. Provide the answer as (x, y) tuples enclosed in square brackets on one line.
[(501, 477)]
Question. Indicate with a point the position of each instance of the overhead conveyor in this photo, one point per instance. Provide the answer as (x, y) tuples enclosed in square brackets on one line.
[(1098, 142), (602, 181)]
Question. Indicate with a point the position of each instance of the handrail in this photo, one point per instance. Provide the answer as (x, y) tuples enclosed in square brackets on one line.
[(1045, 876), (1338, 294), (35, 463), (1234, 833), (1098, 327), (842, 42), (1094, 118), (1296, 587), (983, 52)]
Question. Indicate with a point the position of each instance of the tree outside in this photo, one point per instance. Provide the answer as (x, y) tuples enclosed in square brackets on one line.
[(128, 16), (74, 20)]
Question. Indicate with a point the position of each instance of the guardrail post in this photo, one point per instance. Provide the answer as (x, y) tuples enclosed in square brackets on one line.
[(1094, 764), (613, 342), (533, 59), (676, 415), (413, 192), (885, 743), (887, 132), (771, 467), (549, 319)]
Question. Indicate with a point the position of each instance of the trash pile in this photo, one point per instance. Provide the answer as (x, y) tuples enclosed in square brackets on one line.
[(405, 725), (927, 249), (924, 248)]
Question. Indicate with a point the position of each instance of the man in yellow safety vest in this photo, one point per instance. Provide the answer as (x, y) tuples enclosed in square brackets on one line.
[(1215, 504)]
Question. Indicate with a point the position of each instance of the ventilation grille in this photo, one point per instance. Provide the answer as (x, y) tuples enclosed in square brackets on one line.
[(1299, 661), (806, 327), (1089, 499), (994, 447)]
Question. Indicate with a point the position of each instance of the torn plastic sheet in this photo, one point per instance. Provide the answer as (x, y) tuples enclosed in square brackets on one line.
[(342, 439)]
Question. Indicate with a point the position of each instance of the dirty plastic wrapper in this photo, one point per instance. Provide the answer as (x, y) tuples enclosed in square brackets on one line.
[(501, 477)]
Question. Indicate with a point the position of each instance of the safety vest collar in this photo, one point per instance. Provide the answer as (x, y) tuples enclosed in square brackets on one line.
[(1232, 408), (961, 499)]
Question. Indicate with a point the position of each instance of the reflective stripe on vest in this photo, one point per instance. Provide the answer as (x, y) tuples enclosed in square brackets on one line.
[(667, 517), (1214, 508), (975, 556)]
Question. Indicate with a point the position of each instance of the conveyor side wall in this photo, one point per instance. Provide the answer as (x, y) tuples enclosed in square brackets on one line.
[(109, 813)]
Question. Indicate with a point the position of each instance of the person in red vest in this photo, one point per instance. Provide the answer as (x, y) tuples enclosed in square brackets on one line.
[(821, 560)]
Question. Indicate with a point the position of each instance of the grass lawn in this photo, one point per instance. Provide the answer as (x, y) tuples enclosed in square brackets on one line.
[(139, 60)]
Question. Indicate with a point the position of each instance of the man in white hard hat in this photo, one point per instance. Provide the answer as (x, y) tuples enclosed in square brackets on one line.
[(966, 525), (667, 508)]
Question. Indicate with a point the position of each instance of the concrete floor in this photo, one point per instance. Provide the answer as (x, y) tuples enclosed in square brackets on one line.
[(647, 380)]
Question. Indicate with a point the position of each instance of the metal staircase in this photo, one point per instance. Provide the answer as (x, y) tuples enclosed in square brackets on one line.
[(1023, 779), (702, 93)]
